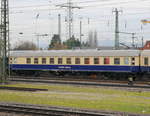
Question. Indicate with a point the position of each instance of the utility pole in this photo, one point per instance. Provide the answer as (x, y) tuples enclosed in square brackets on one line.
[(4, 40), (69, 19), (116, 28), (59, 25), (133, 40), (36, 27), (80, 33), (142, 42)]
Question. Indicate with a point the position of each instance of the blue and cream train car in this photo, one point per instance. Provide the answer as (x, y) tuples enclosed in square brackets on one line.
[(127, 61)]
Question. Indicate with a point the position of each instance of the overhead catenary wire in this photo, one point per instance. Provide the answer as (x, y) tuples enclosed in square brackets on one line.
[(90, 5), (83, 2), (56, 9)]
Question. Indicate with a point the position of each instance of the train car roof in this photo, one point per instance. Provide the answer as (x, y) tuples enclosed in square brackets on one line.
[(145, 53), (60, 53)]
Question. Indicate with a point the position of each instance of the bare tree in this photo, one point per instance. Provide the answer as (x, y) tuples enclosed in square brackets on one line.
[(26, 45)]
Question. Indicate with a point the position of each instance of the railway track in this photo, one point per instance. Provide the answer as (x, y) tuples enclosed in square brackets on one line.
[(47, 111), (146, 82), (81, 82), (22, 89), (36, 110)]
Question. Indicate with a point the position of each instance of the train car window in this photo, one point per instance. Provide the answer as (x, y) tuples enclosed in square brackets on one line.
[(116, 61), (60, 61), (96, 60), (36, 60), (68, 60), (28, 60), (43, 60), (77, 61), (86, 60), (15, 60), (146, 61), (51, 60), (106, 61), (126, 60)]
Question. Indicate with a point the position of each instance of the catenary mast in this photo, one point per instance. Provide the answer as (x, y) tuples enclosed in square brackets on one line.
[(4, 39)]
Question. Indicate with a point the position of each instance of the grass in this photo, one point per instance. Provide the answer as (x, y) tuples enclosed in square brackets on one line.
[(96, 98)]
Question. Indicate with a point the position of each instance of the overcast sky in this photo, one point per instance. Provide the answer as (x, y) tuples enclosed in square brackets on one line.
[(23, 19)]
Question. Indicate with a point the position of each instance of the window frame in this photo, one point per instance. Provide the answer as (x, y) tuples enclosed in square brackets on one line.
[(106, 60), (68, 60), (126, 60), (15, 60), (116, 61), (36, 60), (86, 60), (77, 61), (28, 59), (51, 60), (44, 60), (96, 60), (60, 60)]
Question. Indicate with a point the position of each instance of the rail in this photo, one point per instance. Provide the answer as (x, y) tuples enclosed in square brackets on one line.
[(47, 111), (83, 83)]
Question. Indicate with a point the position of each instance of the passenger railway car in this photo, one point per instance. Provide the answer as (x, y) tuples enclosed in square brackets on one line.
[(124, 61)]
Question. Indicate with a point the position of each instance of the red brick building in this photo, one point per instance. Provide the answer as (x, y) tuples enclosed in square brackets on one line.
[(146, 46)]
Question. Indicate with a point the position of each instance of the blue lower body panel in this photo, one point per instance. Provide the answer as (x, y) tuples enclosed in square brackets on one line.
[(145, 69), (99, 68)]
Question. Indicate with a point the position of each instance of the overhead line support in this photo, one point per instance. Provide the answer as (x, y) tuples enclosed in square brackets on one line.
[(4, 40), (69, 19), (116, 11)]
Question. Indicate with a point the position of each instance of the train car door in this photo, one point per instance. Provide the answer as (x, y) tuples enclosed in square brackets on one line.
[(146, 64), (133, 69)]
